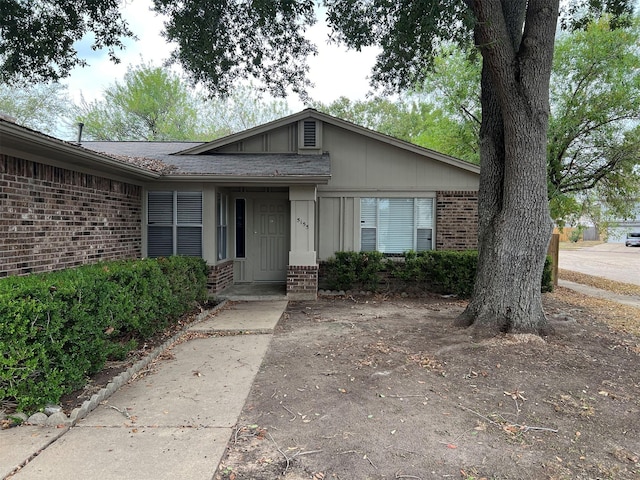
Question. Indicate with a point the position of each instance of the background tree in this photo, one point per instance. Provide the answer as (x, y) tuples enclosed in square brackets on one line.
[(154, 104), (151, 104), (595, 107), (44, 107), (242, 108), (593, 130)]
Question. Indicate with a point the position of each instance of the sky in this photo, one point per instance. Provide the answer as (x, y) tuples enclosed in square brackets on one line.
[(335, 71)]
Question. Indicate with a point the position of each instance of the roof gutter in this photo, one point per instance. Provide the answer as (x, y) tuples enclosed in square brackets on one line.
[(238, 179), (24, 136)]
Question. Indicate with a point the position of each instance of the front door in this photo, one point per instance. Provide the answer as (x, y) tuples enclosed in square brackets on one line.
[(270, 250)]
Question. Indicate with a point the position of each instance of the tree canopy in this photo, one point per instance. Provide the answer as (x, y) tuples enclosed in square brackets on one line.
[(595, 116), (38, 38)]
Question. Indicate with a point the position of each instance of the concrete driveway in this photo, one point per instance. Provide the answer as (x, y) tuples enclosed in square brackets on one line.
[(613, 261)]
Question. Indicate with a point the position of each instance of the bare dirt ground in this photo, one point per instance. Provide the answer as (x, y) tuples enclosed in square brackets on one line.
[(385, 388)]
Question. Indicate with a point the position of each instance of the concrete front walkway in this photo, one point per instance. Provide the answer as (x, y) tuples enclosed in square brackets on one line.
[(173, 422), (630, 300)]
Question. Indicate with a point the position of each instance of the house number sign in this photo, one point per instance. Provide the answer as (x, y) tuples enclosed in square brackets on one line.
[(303, 223)]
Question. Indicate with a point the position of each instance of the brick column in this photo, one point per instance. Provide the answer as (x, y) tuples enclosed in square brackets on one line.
[(456, 220), (220, 276), (302, 282)]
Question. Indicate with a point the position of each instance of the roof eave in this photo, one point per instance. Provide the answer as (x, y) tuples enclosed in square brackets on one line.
[(252, 179), (71, 153)]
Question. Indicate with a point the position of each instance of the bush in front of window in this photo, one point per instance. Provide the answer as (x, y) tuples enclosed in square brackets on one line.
[(348, 269), (437, 271), (448, 272), (57, 328)]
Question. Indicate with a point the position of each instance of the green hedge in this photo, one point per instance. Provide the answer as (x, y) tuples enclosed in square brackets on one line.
[(57, 328), (439, 271)]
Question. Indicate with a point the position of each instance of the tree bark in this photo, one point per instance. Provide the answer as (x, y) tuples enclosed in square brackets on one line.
[(516, 39)]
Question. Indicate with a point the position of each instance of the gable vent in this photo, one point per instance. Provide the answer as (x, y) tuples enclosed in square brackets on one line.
[(309, 138)]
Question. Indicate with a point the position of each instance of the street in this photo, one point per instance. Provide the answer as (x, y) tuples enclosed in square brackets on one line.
[(613, 261)]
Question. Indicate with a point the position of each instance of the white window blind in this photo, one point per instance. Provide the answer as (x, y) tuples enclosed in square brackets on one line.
[(424, 224), (159, 241), (368, 224), (395, 225), (189, 208)]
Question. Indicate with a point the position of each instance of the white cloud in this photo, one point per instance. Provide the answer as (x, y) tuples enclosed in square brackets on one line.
[(334, 71)]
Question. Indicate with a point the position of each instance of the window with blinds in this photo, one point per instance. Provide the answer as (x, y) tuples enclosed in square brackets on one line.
[(395, 225), (174, 224)]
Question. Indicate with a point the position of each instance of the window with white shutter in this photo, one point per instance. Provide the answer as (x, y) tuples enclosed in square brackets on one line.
[(174, 224), (395, 225)]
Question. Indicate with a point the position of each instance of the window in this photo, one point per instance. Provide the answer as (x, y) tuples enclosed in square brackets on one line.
[(395, 225), (240, 228), (221, 226), (174, 224)]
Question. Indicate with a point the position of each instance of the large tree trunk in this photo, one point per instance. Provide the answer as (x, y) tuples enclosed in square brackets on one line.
[(516, 40)]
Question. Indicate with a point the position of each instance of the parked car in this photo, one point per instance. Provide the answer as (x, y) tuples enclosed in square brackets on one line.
[(633, 239)]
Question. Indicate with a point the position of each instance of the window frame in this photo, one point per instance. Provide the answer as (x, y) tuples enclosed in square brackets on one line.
[(222, 226), (240, 227), (175, 224), (371, 221)]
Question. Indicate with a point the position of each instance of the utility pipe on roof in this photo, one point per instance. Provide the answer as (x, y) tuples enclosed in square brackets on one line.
[(80, 127)]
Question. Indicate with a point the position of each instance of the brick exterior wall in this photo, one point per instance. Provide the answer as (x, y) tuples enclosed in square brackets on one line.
[(456, 220), (53, 218), (220, 276), (302, 282)]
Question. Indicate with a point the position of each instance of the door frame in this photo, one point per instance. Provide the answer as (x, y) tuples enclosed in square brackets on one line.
[(245, 268)]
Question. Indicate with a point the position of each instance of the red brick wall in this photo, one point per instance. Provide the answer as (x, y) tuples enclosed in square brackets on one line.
[(302, 282), (52, 218), (220, 276), (456, 220)]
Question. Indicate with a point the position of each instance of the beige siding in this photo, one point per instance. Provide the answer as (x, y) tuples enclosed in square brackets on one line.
[(362, 163), (366, 167), (279, 140), (338, 225)]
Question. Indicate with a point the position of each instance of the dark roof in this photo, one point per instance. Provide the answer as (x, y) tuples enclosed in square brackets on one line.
[(139, 149), (250, 164), (218, 164)]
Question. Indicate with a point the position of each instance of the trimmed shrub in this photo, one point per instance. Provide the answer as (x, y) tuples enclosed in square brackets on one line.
[(439, 271), (57, 328), (347, 269)]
